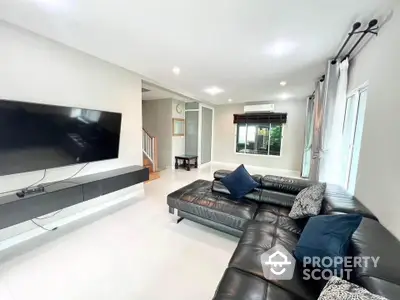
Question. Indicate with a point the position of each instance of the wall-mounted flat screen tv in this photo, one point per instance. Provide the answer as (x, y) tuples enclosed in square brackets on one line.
[(37, 136)]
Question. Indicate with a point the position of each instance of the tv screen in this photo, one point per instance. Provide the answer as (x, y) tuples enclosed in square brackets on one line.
[(36, 136)]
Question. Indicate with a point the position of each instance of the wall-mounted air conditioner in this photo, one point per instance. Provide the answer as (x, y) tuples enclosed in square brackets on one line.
[(259, 108)]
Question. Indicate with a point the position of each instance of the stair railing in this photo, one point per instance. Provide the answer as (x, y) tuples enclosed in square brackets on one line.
[(149, 147)]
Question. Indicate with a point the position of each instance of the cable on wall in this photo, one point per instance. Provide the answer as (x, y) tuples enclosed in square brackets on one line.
[(51, 216), (64, 180), (39, 181), (44, 228)]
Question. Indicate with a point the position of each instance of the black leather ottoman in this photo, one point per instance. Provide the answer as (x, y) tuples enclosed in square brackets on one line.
[(197, 202)]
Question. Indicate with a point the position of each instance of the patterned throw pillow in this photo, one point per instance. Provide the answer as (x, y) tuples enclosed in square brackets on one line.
[(337, 288), (308, 202)]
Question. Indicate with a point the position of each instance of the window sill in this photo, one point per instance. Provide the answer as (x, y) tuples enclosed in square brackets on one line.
[(259, 155)]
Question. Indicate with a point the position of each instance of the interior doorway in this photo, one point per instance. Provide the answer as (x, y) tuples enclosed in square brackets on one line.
[(206, 134), (199, 120)]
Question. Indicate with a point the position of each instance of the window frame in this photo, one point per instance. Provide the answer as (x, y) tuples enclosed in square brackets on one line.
[(236, 139)]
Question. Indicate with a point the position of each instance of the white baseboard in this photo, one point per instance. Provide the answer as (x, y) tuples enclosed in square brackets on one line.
[(64, 220), (204, 165)]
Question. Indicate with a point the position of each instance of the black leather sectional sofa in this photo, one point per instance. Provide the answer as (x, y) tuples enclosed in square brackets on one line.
[(261, 221)]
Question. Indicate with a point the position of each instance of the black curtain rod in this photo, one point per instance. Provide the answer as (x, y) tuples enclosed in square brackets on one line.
[(369, 29), (349, 36)]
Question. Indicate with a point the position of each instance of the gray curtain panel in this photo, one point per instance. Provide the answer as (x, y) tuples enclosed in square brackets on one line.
[(307, 156), (317, 130), (324, 114)]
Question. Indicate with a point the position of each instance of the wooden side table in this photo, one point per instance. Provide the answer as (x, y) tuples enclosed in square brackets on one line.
[(186, 161)]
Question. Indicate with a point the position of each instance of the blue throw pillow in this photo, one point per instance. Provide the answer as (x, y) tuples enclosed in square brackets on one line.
[(239, 182), (327, 236)]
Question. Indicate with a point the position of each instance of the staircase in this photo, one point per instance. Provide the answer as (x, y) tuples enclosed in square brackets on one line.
[(150, 154)]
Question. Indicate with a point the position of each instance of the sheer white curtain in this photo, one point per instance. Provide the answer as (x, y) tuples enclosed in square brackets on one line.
[(332, 163)]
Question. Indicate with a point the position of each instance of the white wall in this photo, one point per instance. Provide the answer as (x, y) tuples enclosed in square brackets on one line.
[(293, 142), (157, 121), (379, 165), (35, 69)]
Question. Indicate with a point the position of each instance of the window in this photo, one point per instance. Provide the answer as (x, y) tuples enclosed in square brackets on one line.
[(262, 139)]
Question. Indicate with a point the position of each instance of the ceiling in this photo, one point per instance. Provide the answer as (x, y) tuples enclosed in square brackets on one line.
[(152, 92), (245, 47)]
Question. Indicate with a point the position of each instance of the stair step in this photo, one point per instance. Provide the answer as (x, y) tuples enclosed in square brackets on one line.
[(150, 167), (153, 176)]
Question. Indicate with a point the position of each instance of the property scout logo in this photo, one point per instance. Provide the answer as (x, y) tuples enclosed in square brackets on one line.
[(278, 264)]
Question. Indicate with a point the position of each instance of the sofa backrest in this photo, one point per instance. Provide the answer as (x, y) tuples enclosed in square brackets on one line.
[(338, 200), (219, 187), (371, 239), (283, 190), (273, 183), (284, 184), (218, 175), (260, 194)]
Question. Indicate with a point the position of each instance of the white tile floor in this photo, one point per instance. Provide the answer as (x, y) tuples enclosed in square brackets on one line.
[(133, 251)]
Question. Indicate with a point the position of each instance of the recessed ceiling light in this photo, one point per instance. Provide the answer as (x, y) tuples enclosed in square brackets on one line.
[(54, 5), (213, 90), (283, 83), (281, 48), (229, 100), (285, 96), (176, 70)]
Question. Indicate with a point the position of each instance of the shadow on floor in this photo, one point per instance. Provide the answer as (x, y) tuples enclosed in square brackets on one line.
[(25, 248)]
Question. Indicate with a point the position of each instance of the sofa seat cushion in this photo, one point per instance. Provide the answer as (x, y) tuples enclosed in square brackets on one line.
[(198, 199), (239, 285), (278, 216), (372, 239), (381, 287), (260, 237), (277, 210)]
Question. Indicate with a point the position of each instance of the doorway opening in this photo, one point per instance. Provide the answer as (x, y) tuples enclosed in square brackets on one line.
[(199, 131)]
